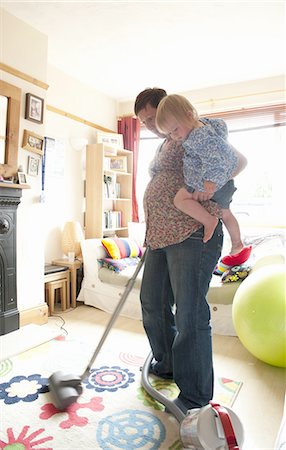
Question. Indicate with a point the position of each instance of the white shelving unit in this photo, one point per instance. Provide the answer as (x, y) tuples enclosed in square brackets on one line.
[(108, 191)]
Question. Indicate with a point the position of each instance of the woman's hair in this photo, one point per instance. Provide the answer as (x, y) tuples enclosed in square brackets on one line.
[(150, 96), (175, 107)]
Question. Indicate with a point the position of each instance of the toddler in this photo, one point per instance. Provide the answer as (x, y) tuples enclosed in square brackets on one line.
[(210, 163)]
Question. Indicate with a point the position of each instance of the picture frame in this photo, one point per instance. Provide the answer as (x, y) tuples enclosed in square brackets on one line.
[(118, 163), (33, 166), (22, 179), (113, 139), (34, 110), (33, 142)]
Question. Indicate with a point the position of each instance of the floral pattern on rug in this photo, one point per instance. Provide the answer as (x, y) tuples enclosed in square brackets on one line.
[(109, 379), (166, 387), (25, 441), (122, 417), (5, 367), (21, 388)]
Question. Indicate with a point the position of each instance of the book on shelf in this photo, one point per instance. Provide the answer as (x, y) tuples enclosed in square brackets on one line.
[(112, 219), (117, 190)]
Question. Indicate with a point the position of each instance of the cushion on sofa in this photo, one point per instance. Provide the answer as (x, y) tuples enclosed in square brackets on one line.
[(117, 265), (118, 248)]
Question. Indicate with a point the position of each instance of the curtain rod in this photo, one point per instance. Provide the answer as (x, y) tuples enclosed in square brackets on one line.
[(221, 99)]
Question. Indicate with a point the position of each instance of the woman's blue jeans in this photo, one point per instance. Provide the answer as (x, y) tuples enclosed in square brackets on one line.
[(176, 315)]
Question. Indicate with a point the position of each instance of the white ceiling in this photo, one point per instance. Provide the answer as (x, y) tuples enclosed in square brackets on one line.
[(121, 47)]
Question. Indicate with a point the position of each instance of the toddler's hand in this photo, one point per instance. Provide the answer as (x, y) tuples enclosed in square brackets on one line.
[(210, 188)]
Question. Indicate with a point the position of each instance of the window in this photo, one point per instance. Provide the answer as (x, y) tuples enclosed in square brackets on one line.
[(261, 184), (147, 149), (258, 133)]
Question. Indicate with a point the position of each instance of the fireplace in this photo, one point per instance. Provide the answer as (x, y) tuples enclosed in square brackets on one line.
[(9, 314)]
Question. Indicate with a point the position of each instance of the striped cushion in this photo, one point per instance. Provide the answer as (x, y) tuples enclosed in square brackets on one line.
[(118, 248)]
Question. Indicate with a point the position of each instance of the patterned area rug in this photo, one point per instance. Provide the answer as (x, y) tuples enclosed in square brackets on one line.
[(113, 413)]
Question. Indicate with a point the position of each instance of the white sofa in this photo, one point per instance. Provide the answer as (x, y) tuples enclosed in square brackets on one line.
[(102, 287)]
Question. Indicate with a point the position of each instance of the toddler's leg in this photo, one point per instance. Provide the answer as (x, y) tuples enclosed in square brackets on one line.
[(232, 227), (184, 202)]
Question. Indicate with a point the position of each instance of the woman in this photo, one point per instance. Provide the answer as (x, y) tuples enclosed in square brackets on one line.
[(177, 272)]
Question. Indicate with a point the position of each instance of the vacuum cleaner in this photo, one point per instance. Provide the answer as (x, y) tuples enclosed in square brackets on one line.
[(213, 427), (65, 389)]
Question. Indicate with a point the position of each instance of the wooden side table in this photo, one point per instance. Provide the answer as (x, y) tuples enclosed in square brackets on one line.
[(57, 280), (73, 266)]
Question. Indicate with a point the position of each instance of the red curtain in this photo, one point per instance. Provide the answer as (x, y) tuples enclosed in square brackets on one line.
[(129, 127)]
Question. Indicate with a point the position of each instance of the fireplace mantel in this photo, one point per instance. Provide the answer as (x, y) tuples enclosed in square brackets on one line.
[(10, 198), (13, 186)]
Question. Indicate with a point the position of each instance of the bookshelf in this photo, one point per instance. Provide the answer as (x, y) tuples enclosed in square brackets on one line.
[(108, 191)]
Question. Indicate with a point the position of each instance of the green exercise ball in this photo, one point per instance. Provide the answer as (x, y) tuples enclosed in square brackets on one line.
[(259, 314)]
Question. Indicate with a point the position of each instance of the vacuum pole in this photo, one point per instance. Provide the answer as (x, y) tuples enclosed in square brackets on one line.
[(115, 314)]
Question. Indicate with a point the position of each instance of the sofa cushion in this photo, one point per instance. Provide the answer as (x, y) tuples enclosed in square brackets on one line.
[(117, 265), (118, 248)]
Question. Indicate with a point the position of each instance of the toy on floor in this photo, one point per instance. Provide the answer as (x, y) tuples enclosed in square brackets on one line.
[(258, 314), (235, 273), (229, 261)]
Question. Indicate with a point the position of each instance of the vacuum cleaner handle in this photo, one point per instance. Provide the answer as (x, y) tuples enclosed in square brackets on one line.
[(116, 312), (169, 404), (222, 413)]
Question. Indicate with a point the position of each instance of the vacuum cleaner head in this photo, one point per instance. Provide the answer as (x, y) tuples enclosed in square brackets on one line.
[(65, 389)]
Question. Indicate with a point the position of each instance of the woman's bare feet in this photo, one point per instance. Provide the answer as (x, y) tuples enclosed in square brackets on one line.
[(209, 228)]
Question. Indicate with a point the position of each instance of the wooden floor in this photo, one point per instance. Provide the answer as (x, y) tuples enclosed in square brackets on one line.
[(261, 398)]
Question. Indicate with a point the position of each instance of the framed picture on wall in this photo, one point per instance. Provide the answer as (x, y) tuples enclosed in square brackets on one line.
[(34, 110), (33, 166), (33, 142)]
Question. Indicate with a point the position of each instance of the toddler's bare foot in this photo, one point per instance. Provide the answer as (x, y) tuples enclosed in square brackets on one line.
[(209, 228), (236, 248), (238, 258)]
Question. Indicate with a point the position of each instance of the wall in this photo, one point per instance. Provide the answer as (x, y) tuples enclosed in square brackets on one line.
[(251, 93), (64, 192), (40, 222), (25, 49)]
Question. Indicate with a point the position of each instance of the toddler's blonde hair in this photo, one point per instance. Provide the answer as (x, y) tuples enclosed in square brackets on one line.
[(174, 107)]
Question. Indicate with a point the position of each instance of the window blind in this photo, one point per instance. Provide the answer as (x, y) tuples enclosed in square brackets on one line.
[(252, 118)]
